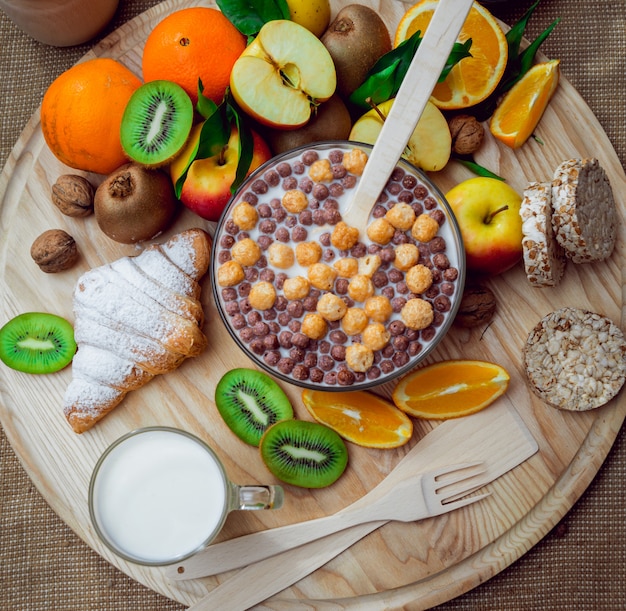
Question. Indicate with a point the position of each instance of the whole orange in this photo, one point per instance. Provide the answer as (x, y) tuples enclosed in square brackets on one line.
[(81, 113), (191, 44)]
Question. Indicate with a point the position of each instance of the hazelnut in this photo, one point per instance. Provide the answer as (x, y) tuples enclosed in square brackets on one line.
[(73, 195), (467, 134), (54, 251), (477, 307)]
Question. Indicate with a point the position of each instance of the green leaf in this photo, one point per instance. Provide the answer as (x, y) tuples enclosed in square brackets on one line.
[(478, 169), (386, 75), (527, 57), (214, 136), (377, 88), (459, 52), (246, 148), (249, 16), (205, 106)]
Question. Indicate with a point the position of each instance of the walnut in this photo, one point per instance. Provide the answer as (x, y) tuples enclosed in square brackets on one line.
[(73, 195), (54, 251), (477, 307), (467, 134)]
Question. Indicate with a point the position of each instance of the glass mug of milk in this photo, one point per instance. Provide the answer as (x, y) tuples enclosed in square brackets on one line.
[(60, 23), (158, 495)]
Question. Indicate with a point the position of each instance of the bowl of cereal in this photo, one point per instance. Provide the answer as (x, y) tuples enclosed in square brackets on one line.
[(313, 302)]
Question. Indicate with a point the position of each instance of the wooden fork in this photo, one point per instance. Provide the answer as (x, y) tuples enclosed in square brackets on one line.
[(403, 495)]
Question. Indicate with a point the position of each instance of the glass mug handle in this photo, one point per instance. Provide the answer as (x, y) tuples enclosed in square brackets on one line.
[(258, 497)]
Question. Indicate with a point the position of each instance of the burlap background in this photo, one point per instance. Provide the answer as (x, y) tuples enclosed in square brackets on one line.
[(580, 565)]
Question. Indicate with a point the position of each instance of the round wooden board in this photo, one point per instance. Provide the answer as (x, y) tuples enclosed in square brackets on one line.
[(431, 561)]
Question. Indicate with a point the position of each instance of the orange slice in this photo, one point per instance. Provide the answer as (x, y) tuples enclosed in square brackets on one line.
[(360, 417), (521, 109), (473, 78), (450, 389)]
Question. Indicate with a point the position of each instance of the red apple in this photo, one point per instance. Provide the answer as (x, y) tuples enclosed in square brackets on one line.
[(283, 73), (488, 213), (206, 189)]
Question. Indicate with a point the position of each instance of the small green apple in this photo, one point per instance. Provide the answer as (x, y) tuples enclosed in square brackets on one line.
[(206, 189), (283, 73), (487, 211), (430, 144)]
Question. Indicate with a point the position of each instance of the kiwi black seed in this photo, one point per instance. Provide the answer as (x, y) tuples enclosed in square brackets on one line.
[(37, 342), (156, 123), (303, 453), (250, 401)]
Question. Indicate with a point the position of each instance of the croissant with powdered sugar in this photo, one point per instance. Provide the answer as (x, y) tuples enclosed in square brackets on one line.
[(135, 318)]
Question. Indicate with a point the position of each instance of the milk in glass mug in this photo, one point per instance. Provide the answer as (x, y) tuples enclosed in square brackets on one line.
[(158, 495), (60, 23)]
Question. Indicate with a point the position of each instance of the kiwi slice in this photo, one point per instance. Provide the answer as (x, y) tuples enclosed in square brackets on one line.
[(303, 453), (250, 401), (37, 342), (156, 123)]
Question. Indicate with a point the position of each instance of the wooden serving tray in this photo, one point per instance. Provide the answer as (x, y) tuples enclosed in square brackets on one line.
[(432, 561)]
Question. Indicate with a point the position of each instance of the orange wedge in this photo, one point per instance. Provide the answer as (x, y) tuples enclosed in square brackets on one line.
[(360, 417), (522, 107), (473, 78), (450, 389)]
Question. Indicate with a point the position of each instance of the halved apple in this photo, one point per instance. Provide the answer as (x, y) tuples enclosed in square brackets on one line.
[(282, 74), (429, 146)]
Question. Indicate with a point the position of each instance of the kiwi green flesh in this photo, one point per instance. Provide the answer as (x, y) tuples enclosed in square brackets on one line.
[(156, 123), (37, 342), (305, 454), (250, 401)]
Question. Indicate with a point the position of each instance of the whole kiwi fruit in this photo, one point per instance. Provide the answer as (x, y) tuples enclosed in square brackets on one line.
[(135, 203), (356, 39), (331, 121)]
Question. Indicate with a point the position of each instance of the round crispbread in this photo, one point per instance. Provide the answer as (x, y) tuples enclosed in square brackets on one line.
[(584, 216), (575, 359), (544, 259)]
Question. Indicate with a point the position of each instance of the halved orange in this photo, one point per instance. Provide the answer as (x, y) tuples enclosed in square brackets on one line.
[(522, 107), (360, 417), (450, 389), (473, 78)]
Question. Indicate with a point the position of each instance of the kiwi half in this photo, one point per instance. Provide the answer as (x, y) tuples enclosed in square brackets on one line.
[(37, 342), (156, 123), (303, 453), (250, 401)]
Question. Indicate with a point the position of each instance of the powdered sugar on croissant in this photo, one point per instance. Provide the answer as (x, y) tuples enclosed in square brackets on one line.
[(135, 318)]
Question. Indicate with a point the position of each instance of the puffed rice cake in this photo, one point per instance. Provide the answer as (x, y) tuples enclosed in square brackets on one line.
[(575, 359), (584, 216), (544, 258)]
